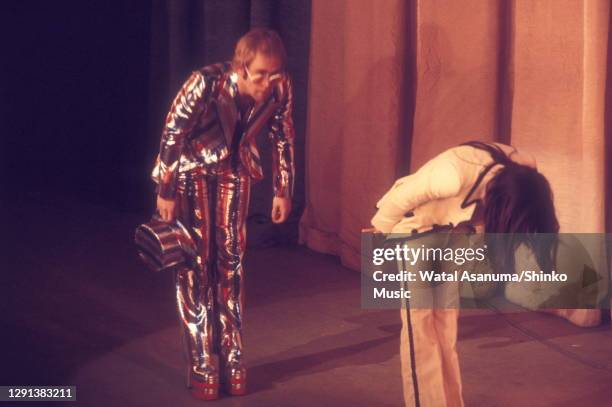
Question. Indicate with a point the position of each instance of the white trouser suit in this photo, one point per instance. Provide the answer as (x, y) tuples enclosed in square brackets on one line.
[(442, 192)]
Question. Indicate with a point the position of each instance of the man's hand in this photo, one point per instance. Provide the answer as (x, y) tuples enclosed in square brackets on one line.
[(280, 209), (165, 208)]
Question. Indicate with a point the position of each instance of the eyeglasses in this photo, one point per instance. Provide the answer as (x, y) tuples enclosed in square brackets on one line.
[(258, 77)]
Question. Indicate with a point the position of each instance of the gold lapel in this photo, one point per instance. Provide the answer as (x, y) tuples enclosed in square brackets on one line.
[(227, 110)]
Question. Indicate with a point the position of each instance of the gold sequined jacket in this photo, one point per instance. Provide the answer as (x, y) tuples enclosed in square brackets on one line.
[(203, 123)]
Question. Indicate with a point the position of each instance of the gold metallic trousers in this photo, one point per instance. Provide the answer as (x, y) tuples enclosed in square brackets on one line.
[(210, 294)]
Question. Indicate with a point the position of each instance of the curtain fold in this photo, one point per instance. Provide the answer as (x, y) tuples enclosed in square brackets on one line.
[(354, 118), (391, 84), (559, 102)]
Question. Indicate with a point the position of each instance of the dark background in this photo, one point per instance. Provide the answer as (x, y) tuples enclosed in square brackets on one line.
[(86, 86)]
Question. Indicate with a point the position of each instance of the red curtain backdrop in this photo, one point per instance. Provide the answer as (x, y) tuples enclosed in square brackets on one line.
[(392, 83)]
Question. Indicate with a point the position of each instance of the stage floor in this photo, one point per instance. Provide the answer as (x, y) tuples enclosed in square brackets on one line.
[(80, 309)]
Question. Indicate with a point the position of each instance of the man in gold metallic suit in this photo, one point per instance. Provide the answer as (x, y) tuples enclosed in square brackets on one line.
[(207, 161)]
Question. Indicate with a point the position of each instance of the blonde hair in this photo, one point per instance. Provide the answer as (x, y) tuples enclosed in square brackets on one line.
[(261, 40)]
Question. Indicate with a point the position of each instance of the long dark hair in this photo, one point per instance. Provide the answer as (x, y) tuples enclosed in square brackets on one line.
[(519, 204)]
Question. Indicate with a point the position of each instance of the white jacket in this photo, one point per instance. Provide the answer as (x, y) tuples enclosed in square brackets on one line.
[(436, 191)]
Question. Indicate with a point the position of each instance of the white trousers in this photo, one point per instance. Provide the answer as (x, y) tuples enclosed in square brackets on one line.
[(430, 364)]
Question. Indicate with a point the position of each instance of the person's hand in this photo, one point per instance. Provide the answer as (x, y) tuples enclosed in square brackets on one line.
[(370, 230), (280, 209), (166, 208)]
